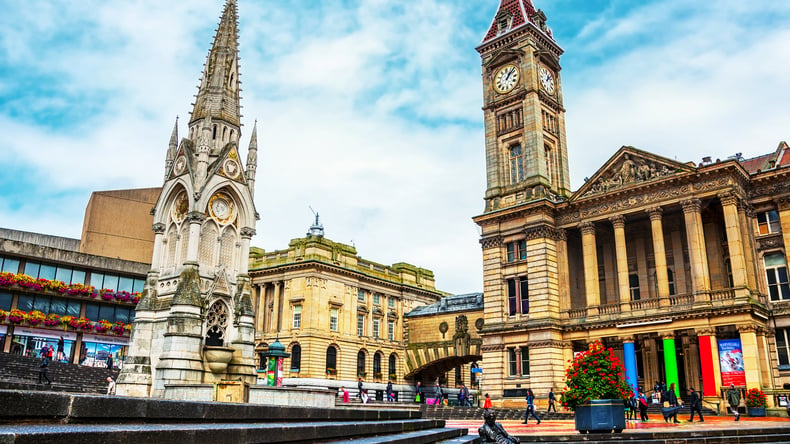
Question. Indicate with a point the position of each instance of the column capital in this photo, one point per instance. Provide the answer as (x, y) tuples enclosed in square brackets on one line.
[(655, 213), (627, 338), (728, 198), (666, 335), (706, 332), (747, 328), (247, 232), (158, 228), (562, 234), (618, 221), (195, 217), (587, 227), (691, 205)]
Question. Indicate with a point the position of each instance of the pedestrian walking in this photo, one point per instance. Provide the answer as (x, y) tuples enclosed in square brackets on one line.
[(418, 393), (345, 394), (671, 398), (464, 395), (43, 368), (359, 386), (390, 395), (530, 407), (61, 343), (695, 405), (438, 395), (642, 405), (734, 399), (552, 398), (109, 362), (487, 403)]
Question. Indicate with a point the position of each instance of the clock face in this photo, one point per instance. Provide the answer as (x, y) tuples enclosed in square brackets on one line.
[(506, 79), (546, 80)]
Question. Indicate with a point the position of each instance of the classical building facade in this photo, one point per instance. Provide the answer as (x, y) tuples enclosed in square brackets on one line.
[(664, 261), (340, 316), (194, 322)]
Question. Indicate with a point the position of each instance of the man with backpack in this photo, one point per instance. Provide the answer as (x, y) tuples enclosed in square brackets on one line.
[(695, 404)]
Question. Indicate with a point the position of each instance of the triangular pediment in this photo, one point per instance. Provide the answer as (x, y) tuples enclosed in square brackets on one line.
[(630, 167), (228, 164), (182, 162)]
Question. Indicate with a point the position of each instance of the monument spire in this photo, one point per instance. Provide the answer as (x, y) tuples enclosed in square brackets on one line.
[(218, 92), (252, 158)]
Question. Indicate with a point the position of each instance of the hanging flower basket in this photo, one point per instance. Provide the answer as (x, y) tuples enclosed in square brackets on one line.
[(52, 320), (16, 316), (119, 328), (3, 315), (65, 321)]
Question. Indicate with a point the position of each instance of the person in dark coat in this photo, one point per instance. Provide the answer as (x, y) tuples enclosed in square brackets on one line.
[(43, 368), (530, 407), (390, 395), (695, 404), (61, 343), (552, 398), (734, 400), (672, 398), (418, 393), (359, 386)]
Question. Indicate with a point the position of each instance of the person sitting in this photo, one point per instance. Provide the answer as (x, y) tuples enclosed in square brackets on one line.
[(493, 432), (110, 385)]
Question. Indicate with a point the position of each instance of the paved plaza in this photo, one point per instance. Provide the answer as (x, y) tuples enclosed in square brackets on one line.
[(655, 424)]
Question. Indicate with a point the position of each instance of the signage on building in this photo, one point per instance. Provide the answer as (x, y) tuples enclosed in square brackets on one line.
[(42, 333), (105, 339), (731, 361), (477, 370)]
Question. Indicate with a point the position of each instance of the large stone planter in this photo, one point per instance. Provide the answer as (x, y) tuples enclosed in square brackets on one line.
[(217, 357), (601, 415), (756, 411)]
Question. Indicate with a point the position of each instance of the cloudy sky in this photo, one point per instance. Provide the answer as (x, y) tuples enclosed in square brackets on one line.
[(369, 110)]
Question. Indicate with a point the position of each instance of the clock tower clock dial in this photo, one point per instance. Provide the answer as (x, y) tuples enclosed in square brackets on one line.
[(506, 79), (546, 80)]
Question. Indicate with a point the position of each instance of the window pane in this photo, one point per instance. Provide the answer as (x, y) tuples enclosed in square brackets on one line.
[(41, 304), (391, 302), (11, 265), (522, 250), (73, 308), (125, 284), (63, 274), (110, 282), (138, 285), (524, 361), (511, 253), (31, 269), (58, 306), (5, 301), (107, 312), (524, 291), (25, 302), (96, 279), (92, 311), (774, 260), (78, 277), (122, 314), (512, 359), (511, 296), (46, 272)]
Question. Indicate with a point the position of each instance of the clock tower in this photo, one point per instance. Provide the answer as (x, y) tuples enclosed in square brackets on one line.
[(526, 154)]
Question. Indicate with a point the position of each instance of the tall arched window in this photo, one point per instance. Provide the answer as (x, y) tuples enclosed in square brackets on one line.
[(216, 323), (516, 164), (296, 357), (331, 360), (361, 364), (377, 365), (391, 370)]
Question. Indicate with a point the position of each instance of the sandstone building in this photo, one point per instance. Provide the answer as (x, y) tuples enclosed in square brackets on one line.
[(662, 260)]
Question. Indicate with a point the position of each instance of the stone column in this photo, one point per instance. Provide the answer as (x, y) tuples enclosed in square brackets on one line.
[(590, 255), (709, 362), (695, 238), (260, 315), (751, 360), (629, 359), (518, 361), (276, 312), (195, 219), (650, 362), (159, 238), (670, 360), (244, 254), (747, 235), (691, 362), (564, 275), (764, 356), (729, 203), (618, 222), (659, 254)]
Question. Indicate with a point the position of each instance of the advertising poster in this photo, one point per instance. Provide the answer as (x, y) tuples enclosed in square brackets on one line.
[(270, 372), (731, 360), (279, 372)]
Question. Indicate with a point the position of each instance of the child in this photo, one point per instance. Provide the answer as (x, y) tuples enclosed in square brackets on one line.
[(487, 403)]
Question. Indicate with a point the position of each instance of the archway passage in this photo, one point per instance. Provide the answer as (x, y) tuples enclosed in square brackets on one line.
[(428, 373)]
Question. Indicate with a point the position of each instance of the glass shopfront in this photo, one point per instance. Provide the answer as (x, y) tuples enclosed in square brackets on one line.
[(29, 342), (95, 350), (3, 333)]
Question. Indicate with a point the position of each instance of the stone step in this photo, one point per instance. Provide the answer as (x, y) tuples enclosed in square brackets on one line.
[(443, 435), (773, 435), (221, 433)]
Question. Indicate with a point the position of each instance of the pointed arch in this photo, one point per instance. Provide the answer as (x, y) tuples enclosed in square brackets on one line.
[(183, 244), (227, 247), (217, 320), (172, 244)]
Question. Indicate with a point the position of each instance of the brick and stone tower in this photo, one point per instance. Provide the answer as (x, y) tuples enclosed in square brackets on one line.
[(527, 179), (526, 153), (194, 323)]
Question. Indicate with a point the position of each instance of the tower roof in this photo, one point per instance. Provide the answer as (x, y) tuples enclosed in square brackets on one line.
[(218, 93), (518, 13)]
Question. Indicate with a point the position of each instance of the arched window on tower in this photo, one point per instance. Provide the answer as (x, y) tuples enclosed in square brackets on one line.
[(393, 372), (377, 365), (214, 133), (516, 164), (549, 156), (224, 133)]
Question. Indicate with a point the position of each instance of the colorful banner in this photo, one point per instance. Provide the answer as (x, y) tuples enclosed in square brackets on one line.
[(731, 360), (279, 372)]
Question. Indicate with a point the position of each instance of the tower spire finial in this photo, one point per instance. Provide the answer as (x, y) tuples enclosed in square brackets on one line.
[(252, 158)]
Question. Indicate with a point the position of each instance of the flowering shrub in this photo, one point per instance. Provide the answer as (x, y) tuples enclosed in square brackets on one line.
[(26, 281), (119, 328), (83, 323), (7, 279), (123, 296), (107, 294), (755, 398), (3, 315), (17, 316), (102, 326), (594, 374), (54, 285), (66, 320), (52, 319)]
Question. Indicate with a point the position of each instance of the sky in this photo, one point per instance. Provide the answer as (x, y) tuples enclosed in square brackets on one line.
[(369, 111)]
